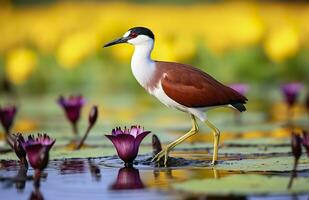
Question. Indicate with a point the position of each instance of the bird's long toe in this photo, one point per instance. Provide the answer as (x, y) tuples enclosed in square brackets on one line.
[(160, 155), (214, 162)]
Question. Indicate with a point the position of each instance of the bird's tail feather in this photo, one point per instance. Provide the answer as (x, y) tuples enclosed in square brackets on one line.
[(239, 106)]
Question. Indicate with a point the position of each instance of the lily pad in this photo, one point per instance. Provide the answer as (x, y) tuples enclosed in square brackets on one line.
[(59, 153), (254, 150), (259, 142), (244, 185), (275, 164)]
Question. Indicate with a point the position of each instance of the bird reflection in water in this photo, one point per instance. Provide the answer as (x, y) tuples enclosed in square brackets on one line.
[(128, 179)]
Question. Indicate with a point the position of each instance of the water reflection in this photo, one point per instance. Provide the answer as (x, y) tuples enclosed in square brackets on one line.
[(36, 194), (94, 170), (72, 166), (21, 178), (128, 178)]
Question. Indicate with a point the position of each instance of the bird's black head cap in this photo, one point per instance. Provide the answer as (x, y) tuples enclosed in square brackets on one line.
[(142, 31)]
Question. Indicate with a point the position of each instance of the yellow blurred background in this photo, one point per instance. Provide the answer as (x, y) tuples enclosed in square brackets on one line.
[(44, 43)]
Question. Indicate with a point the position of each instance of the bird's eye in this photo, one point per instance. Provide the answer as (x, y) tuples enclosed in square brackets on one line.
[(133, 35)]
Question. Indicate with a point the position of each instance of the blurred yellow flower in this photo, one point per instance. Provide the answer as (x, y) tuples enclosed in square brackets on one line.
[(75, 48), (282, 43), (220, 26), (20, 63)]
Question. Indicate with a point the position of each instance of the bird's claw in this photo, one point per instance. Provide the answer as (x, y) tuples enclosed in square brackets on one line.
[(158, 157), (213, 163)]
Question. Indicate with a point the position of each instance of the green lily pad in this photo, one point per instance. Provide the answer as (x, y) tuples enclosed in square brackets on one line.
[(275, 164), (234, 149), (253, 150), (244, 185), (61, 152), (259, 142)]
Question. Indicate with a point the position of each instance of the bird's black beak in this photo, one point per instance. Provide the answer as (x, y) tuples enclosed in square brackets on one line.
[(116, 41)]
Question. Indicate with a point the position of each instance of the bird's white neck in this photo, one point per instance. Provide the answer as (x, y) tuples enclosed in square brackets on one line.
[(141, 63)]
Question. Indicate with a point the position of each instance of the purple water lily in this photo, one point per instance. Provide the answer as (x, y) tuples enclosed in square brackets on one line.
[(128, 178), (37, 150), (72, 107), (241, 88), (291, 91), (7, 116), (127, 142)]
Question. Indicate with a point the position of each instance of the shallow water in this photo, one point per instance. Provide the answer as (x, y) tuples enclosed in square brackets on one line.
[(105, 177), (93, 179)]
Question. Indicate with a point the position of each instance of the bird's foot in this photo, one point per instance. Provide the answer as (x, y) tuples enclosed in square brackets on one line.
[(160, 155), (214, 162)]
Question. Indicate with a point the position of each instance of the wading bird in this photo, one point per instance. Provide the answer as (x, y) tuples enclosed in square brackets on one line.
[(178, 86)]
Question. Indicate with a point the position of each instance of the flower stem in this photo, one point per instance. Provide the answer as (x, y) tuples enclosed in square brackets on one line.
[(84, 138), (128, 164), (37, 178), (294, 173), (9, 139), (290, 116), (75, 130), (23, 162)]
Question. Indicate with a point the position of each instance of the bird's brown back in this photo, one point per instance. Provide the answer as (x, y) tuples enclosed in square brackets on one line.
[(192, 87)]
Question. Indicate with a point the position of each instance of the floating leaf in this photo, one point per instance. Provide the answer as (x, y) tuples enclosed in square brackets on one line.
[(244, 185), (275, 164)]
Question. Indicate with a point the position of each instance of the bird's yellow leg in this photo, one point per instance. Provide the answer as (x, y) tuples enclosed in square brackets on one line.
[(216, 134), (169, 147)]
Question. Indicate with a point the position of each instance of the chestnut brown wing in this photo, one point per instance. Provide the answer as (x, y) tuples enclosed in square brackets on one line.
[(192, 87)]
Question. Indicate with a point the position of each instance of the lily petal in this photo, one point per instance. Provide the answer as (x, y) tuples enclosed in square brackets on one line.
[(124, 144)]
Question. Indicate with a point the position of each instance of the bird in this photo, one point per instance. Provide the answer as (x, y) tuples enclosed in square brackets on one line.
[(179, 86)]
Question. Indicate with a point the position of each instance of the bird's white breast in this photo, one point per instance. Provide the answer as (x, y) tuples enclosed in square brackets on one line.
[(143, 68), (143, 72)]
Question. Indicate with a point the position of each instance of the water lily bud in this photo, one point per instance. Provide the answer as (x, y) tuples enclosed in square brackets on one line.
[(156, 144), (296, 146), (305, 142), (7, 115), (93, 115), (291, 92), (241, 88), (18, 148)]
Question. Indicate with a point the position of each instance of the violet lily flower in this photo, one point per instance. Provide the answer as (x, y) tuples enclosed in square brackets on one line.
[(127, 142), (128, 178), (7, 115), (291, 91), (72, 107), (241, 88), (37, 150)]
